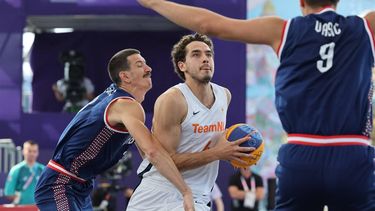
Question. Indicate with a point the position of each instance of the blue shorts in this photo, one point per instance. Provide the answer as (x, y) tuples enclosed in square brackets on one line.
[(56, 191), (340, 177)]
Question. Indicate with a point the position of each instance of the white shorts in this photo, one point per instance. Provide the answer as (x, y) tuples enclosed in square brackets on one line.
[(150, 195)]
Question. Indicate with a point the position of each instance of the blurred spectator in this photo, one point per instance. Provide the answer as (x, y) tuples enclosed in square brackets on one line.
[(246, 190), (216, 197), (22, 178)]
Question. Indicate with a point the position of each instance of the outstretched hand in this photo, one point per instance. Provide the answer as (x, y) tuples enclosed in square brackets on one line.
[(148, 3)]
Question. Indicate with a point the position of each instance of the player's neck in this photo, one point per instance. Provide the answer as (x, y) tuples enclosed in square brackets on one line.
[(138, 94), (314, 10), (203, 91)]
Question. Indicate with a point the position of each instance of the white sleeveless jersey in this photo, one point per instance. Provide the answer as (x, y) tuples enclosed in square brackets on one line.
[(197, 130)]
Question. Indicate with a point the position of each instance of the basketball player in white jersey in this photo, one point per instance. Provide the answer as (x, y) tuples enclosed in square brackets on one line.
[(189, 120)]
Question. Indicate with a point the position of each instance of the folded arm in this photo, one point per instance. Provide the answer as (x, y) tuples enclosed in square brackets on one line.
[(131, 115)]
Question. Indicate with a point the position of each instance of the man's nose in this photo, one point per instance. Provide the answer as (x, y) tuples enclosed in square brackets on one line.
[(205, 59), (148, 68)]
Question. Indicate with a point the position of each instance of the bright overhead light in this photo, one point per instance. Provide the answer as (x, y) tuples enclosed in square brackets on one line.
[(62, 30)]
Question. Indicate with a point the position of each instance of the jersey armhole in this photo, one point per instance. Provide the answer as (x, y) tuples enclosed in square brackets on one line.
[(184, 94), (111, 127), (284, 35)]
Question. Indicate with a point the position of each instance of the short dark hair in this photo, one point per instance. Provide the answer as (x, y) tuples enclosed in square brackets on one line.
[(119, 62), (31, 142), (179, 50), (321, 3)]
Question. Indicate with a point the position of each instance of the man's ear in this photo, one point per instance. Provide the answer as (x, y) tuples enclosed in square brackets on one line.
[(125, 76), (182, 66)]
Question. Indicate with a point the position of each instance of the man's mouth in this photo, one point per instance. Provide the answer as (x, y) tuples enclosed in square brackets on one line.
[(205, 67)]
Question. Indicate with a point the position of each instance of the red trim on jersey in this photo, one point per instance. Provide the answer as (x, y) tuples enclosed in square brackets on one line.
[(335, 140), (326, 137), (106, 115), (282, 38), (372, 32), (59, 168)]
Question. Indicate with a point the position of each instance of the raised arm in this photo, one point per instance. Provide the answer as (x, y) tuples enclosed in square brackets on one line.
[(131, 115), (370, 17), (170, 110), (265, 30)]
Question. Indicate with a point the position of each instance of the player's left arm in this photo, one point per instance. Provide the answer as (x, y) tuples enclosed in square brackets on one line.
[(370, 17)]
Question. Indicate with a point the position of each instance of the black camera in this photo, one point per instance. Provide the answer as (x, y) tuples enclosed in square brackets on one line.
[(74, 74)]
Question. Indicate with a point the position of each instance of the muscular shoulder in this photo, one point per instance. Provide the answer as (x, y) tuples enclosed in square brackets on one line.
[(172, 98), (123, 108), (171, 102)]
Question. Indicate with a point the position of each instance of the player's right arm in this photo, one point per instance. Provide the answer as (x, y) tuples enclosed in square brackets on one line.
[(131, 115), (370, 17), (264, 30), (169, 112)]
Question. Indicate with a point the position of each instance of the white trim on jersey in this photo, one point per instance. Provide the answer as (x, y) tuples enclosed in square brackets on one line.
[(371, 37), (105, 115), (327, 9), (283, 37)]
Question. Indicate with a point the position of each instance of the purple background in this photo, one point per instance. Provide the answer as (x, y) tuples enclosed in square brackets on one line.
[(45, 124)]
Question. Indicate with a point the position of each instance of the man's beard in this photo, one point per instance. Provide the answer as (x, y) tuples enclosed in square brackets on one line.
[(205, 80)]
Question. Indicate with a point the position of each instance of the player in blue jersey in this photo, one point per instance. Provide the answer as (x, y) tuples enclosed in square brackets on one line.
[(98, 137), (323, 97)]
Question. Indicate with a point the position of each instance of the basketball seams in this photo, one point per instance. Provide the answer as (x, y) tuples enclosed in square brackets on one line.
[(241, 130)]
